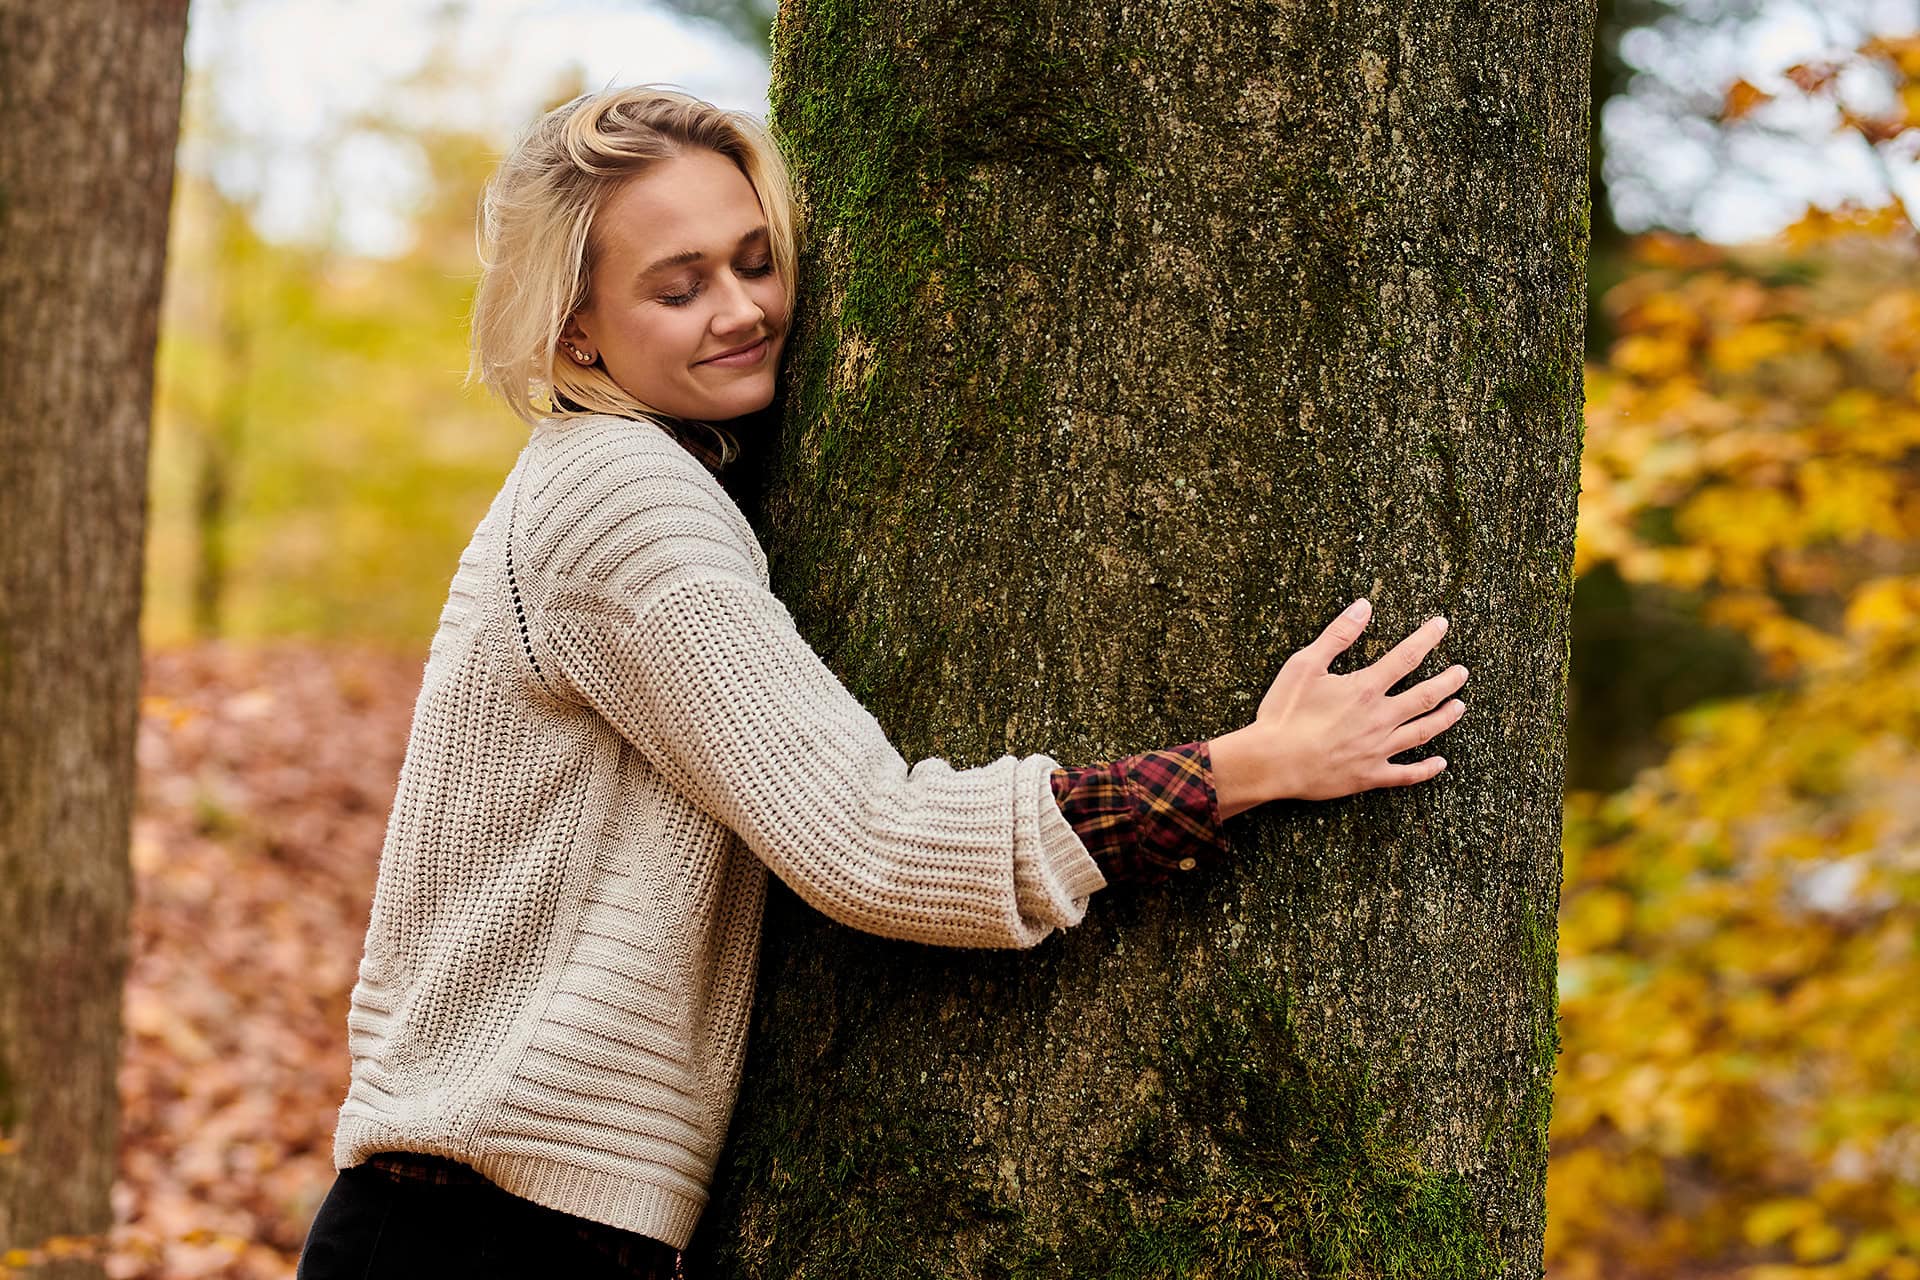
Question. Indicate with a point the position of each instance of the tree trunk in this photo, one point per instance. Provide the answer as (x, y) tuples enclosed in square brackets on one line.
[(89, 108), (221, 438), (1135, 343)]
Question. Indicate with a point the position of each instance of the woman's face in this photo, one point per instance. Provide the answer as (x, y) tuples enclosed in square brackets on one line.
[(684, 277)]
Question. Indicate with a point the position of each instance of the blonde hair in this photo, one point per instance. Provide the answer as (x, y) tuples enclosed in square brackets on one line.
[(537, 249)]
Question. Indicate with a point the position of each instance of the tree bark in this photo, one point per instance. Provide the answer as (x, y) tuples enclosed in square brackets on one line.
[(1134, 344), (89, 109)]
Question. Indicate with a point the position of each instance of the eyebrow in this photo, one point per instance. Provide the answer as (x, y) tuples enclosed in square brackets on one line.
[(694, 255)]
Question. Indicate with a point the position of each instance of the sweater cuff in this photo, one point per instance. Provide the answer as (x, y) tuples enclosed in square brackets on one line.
[(1063, 846)]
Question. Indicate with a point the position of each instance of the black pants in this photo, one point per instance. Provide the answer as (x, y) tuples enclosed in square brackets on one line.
[(373, 1226)]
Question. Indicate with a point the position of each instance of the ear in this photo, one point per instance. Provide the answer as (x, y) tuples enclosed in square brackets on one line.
[(575, 342)]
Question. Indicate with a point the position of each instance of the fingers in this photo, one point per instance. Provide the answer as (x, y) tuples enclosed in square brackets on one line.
[(1405, 775), (1426, 695), (1405, 658), (1340, 634), (1415, 732)]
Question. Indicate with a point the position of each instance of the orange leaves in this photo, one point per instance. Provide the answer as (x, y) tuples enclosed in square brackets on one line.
[(1677, 252), (1596, 921), (1740, 942), (1893, 61), (1899, 59), (1895, 58), (1875, 129), (1880, 615), (1652, 355), (1755, 441), (1741, 349), (1850, 218), (265, 777), (1902, 51), (1812, 77), (24, 1262), (1741, 98)]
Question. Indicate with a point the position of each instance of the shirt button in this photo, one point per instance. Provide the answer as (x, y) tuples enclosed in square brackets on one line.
[(1188, 864)]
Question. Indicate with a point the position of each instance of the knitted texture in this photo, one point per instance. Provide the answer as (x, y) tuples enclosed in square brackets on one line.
[(618, 732)]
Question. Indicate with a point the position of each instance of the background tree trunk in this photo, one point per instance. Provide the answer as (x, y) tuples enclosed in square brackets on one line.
[(1136, 342), (89, 109)]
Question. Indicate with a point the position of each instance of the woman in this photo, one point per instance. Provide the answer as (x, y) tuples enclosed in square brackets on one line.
[(619, 733)]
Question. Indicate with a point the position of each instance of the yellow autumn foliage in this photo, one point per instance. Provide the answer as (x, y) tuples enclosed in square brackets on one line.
[(1739, 1087)]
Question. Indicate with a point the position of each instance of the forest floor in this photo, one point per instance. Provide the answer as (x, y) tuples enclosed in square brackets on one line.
[(266, 774)]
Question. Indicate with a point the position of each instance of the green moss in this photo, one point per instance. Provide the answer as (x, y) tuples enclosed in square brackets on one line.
[(1331, 225), (1306, 1174), (1257, 1159), (821, 1197), (1542, 388), (1527, 1132), (1577, 227), (895, 181), (905, 148), (1459, 508)]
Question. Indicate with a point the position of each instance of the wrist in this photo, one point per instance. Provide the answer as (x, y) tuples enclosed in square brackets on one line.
[(1243, 770)]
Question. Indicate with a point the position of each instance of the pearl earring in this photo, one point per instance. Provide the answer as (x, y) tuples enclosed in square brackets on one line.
[(578, 354)]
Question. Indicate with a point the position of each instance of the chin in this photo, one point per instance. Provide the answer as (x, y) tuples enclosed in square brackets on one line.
[(741, 406)]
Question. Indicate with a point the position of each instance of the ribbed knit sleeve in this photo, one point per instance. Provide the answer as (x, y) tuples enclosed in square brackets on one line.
[(716, 687), (647, 598)]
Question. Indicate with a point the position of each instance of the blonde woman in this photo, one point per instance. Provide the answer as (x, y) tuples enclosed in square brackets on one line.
[(619, 734)]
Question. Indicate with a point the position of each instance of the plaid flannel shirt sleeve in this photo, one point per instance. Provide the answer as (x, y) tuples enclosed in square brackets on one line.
[(1147, 817)]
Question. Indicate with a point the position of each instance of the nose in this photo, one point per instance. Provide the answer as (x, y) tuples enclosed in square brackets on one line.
[(735, 310)]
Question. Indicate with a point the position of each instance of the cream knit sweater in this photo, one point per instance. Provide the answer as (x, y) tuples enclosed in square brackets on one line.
[(619, 731)]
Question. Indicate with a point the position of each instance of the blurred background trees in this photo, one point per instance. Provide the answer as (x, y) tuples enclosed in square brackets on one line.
[(1737, 1092), (1741, 1055)]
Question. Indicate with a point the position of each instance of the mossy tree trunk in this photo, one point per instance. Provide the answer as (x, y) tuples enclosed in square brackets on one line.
[(1136, 343), (89, 109)]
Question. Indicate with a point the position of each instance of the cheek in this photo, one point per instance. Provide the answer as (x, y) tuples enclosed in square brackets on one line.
[(772, 298), (655, 338)]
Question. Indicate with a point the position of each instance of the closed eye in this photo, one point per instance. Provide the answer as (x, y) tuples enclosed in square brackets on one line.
[(754, 272)]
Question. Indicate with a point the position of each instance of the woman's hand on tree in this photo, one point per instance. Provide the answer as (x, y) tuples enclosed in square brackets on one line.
[(1318, 735)]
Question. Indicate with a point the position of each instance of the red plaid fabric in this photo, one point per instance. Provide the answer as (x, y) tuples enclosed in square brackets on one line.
[(1148, 817), (640, 1256)]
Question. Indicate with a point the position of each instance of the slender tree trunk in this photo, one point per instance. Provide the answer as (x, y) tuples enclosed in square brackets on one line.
[(89, 108), (222, 436), (1136, 342)]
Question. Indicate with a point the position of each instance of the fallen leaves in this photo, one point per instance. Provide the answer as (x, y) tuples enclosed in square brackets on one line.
[(265, 776)]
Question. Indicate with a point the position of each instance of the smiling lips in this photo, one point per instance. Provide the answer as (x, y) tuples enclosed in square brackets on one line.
[(741, 356)]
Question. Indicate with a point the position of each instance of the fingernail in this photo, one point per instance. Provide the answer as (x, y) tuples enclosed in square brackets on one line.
[(1359, 608), (1443, 624)]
